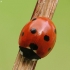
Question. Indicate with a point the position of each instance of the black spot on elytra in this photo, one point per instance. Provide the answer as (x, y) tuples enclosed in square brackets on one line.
[(22, 33), (46, 38), (33, 46), (33, 30), (49, 49), (55, 31), (33, 19)]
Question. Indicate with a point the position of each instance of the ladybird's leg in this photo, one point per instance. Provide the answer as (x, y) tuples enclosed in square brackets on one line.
[(43, 8)]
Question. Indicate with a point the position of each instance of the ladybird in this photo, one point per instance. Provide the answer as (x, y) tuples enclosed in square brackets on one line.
[(37, 38)]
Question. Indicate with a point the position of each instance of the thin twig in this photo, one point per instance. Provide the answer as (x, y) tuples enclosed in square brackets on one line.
[(43, 8)]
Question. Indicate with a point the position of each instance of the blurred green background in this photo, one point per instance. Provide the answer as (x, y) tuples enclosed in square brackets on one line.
[(14, 14)]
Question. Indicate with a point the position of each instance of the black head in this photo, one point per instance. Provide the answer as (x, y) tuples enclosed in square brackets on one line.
[(29, 53)]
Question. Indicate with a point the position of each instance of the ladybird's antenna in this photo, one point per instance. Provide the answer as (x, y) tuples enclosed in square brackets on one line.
[(43, 8)]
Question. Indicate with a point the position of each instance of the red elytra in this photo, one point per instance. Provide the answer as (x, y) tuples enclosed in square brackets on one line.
[(41, 32)]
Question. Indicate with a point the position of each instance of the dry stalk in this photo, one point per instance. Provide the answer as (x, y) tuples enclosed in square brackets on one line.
[(43, 8)]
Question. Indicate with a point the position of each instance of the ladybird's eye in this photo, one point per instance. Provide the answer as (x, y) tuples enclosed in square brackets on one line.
[(33, 46), (33, 30), (33, 19), (22, 33), (55, 31), (46, 38)]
